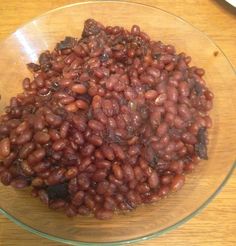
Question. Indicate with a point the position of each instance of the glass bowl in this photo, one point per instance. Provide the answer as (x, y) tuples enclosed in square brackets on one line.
[(201, 186)]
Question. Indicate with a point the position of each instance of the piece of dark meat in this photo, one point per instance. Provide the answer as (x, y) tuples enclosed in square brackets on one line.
[(201, 147), (67, 43), (57, 191), (33, 67), (91, 27)]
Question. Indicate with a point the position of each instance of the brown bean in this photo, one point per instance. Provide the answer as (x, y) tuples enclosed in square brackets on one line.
[(163, 191), (41, 166), (70, 211), (59, 144), (99, 175), (25, 137), (184, 112), (87, 150), (119, 153), (41, 137), (64, 129), (78, 198), (57, 204), (36, 156), (103, 214), (26, 168), (102, 187), (5, 146), (6, 177), (95, 140), (108, 152), (84, 163), (81, 104), (117, 170), (95, 125), (43, 196), (37, 182), (71, 172), (128, 172), (39, 123), (151, 94), (53, 120), (177, 182), (153, 180), (162, 129), (56, 176), (166, 179), (22, 127), (19, 183), (79, 88)]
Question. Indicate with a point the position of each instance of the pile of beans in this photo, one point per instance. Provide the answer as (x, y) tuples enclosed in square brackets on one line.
[(109, 121)]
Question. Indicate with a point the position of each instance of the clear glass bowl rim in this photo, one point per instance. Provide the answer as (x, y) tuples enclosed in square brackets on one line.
[(144, 237)]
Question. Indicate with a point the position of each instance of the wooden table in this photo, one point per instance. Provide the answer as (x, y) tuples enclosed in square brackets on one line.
[(216, 225)]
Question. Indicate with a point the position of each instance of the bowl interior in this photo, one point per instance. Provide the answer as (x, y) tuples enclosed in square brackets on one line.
[(43, 33)]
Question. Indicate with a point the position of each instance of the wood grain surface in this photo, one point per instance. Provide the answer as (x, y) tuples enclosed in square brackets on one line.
[(216, 225)]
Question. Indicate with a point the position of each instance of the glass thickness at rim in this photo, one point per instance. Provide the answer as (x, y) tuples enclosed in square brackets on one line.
[(152, 235)]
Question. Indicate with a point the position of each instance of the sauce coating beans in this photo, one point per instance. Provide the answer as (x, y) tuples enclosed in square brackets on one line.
[(109, 121)]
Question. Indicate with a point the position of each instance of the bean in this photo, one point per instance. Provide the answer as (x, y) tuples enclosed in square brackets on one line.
[(71, 173), (128, 172), (102, 187), (87, 150), (71, 211), (95, 140), (117, 170), (59, 145), (135, 30), (119, 153), (64, 129), (26, 168), (81, 104), (108, 152), (5, 147), (163, 191), (166, 179), (25, 137), (103, 214), (57, 204), (79, 88), (177, 182), (153, 180), (39, 123), (162, 129), (53, 120), (184, 112), (95, 125), (84, 163), (41, 137), (104, 164), (22, 127), (19, 183), (78, 198), (56, 176), (36, 156), (43, 196), (6, 177), (71, 107), (37, 182), (99, 175), (54, 134), (151, 94), (41, 167)]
